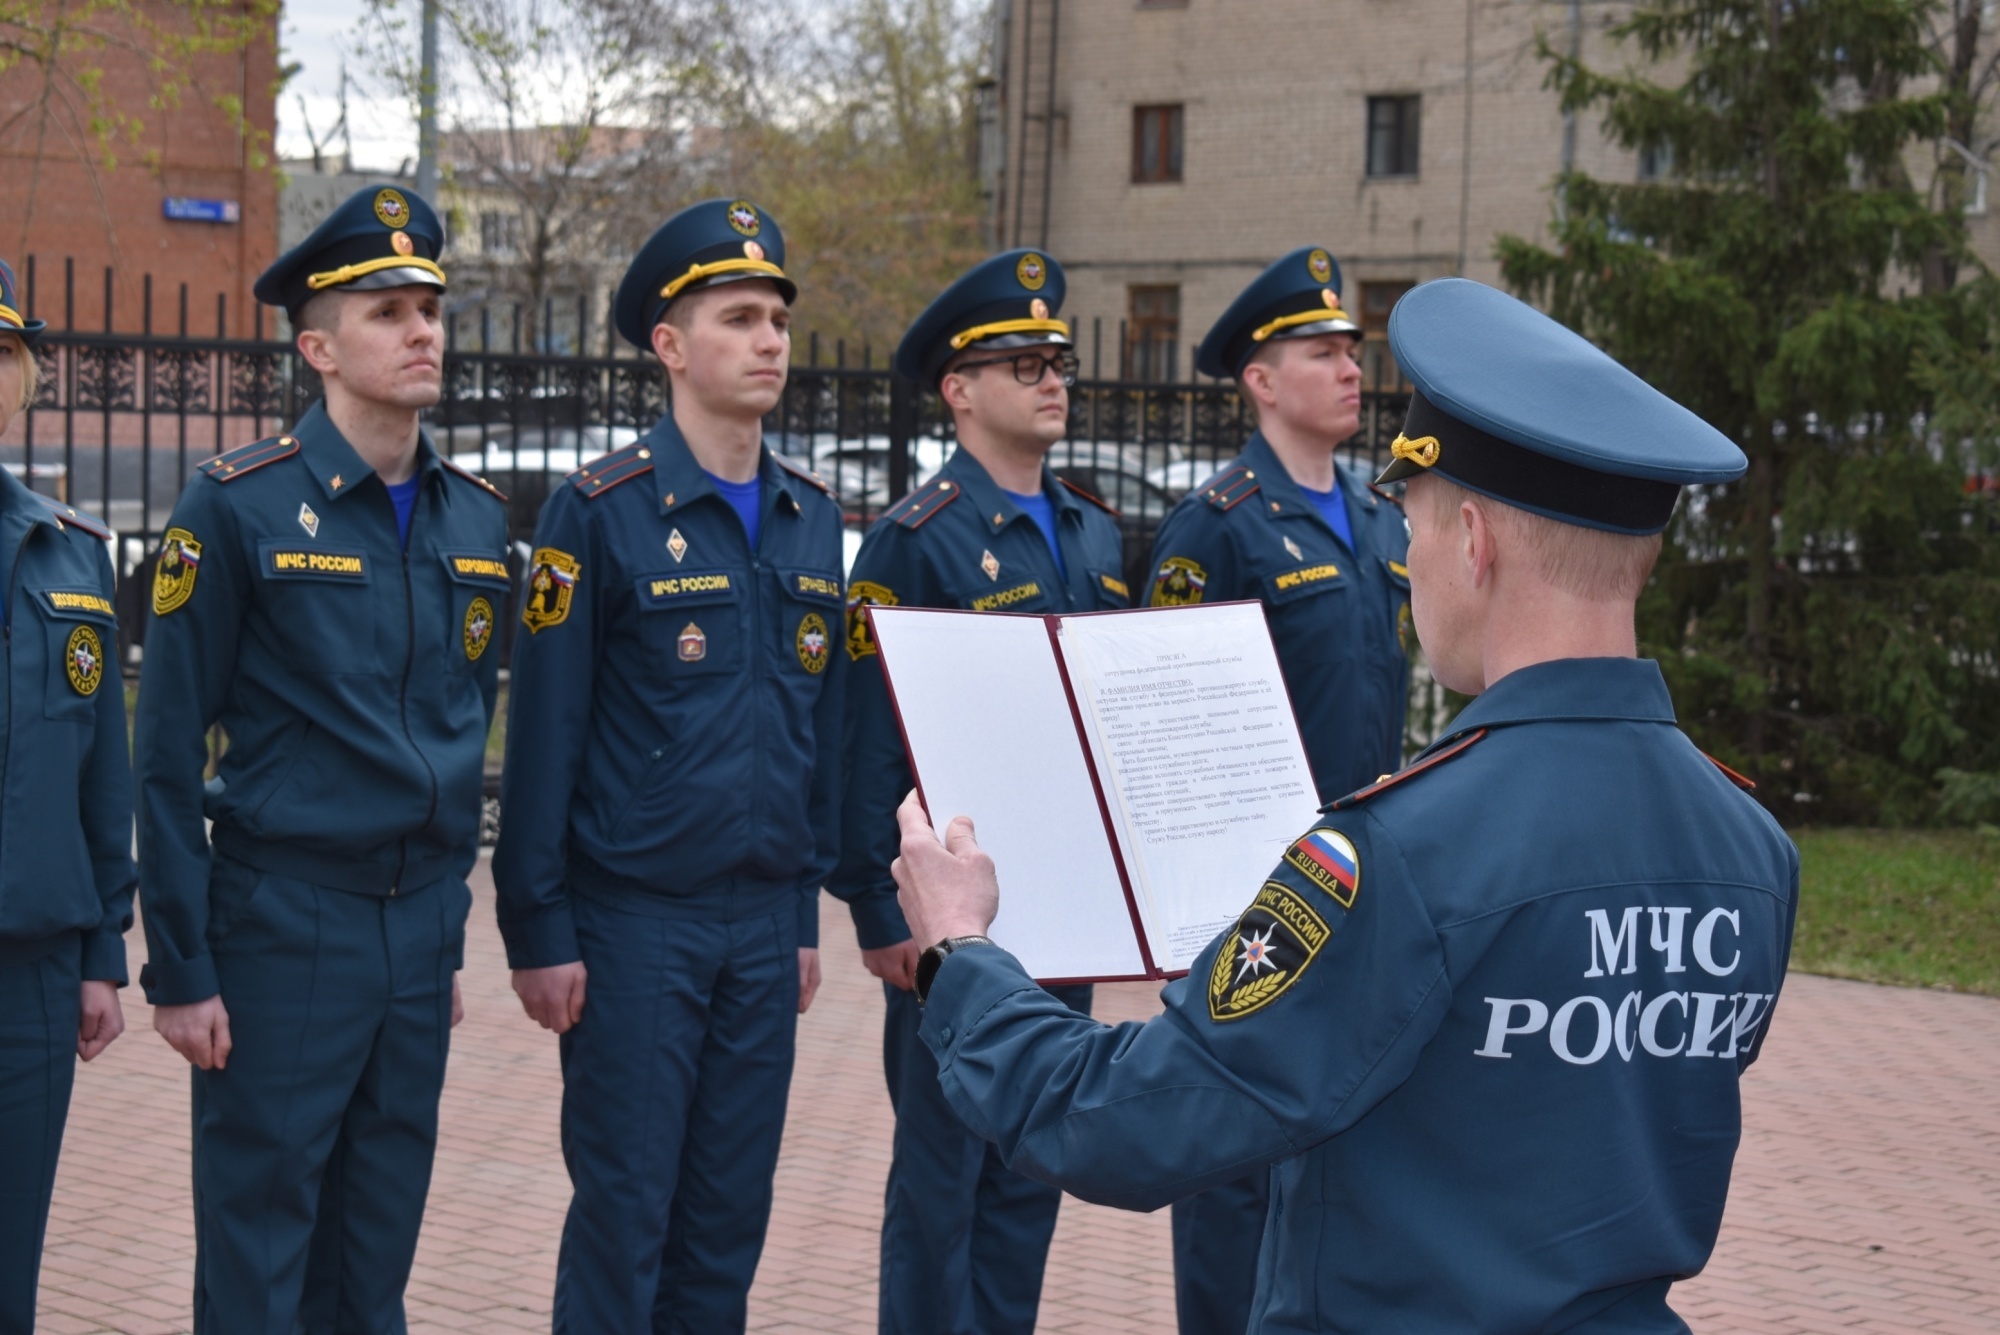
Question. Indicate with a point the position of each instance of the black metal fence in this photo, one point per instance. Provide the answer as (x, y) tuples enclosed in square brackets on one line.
[(121, 420)]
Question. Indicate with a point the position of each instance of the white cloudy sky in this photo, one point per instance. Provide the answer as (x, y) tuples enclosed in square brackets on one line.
[(316, 34)]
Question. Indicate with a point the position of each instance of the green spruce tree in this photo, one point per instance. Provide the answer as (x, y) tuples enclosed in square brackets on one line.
[(1831, 623)]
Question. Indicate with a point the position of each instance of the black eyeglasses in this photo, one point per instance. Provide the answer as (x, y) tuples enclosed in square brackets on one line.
[(1030, 367)]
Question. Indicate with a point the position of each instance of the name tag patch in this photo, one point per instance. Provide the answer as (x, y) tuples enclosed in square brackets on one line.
[(667, 588), (314, 563), (1293, 579), (1270, 947), (816, 585), (73, 602), (478, 567), (1020, 593)]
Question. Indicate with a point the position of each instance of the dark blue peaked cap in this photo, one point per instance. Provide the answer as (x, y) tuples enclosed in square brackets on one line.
[(12, 320), (383, 236), (1297, 297), (1512, 405), (718, 241), (1007, 301)]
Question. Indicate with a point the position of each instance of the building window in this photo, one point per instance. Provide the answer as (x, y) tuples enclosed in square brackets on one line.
[(1378, 364), (1156, 144), (1656, 162), (499, 233), (1152, 332), (1393, 134)]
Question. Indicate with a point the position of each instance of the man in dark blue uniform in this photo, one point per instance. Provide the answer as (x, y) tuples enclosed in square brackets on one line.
[(328, 597), (672, 792), (1490, 1016), (1323, 550), (964, 1237), (65, 828)]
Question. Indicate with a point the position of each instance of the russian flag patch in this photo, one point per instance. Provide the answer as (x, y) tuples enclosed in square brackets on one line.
[(1328, 860)]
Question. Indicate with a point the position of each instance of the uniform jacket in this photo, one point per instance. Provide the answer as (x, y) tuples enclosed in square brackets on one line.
[(674, 725), (1340, 616), (931, 550), (1488, 1021), (65, 781), (354, 680)]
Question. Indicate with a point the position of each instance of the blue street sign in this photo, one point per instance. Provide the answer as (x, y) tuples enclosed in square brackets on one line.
[(202, 210)]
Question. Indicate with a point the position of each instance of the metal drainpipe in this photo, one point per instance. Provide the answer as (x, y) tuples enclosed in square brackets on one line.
[(1049, 122)]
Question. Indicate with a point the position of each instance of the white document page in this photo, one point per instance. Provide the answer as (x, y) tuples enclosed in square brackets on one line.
[(1200, 758), (989, 729)]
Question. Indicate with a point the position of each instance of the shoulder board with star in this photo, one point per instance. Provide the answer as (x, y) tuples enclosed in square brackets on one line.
[(1232, 488), (601, 475), (1388, 781), (1083, 495), (800, 471), (1748, 785), (917, 507), (74, 518), (473, 478), (248, 459)]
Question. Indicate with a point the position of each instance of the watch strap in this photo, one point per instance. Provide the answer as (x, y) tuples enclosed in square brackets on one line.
[(933, 959)]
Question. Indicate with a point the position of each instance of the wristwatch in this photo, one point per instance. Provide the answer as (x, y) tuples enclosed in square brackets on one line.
[(929, 962)]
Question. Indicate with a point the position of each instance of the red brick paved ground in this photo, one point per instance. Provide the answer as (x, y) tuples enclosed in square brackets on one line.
[(1867, 1196)]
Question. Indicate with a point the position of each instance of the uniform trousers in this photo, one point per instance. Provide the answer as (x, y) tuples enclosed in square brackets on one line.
[(39, 1002), (313, 1146), (964, 1237), (674, 1089), (1217, 1235)]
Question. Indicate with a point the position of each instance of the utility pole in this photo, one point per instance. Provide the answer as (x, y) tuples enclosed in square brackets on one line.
[(427, 122)]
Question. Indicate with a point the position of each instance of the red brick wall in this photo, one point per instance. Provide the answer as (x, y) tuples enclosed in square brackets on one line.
[(98, 217)]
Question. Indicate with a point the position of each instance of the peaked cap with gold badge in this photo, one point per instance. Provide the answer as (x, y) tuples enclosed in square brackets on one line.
[(1512, 405), (1297, 297), (12, 321), (718, 241), (383, 236), (1007, 301)]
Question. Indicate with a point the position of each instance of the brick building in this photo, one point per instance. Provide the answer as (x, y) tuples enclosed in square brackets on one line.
[(193, 202), (1166, 150)]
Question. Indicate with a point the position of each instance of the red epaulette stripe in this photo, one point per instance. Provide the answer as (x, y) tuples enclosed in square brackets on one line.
[(473, 478), (798, 469), (1362, 795), (74, 518), (1097, 501), (1747, 785), (612, 470), (1219, 494), (920, 506), (1390, 497), (228, 467)]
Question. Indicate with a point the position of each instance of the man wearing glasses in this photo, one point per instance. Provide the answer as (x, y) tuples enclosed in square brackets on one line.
[(964, 1238)]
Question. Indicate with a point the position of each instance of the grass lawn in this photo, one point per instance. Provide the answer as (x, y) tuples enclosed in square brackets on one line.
[(1919, 908)]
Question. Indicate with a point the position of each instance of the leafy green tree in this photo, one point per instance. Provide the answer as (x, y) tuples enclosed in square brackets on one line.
[(1831, 623), (92, 81)]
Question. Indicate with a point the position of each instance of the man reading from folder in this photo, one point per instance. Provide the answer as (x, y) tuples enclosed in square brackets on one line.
[(1489, 1016)]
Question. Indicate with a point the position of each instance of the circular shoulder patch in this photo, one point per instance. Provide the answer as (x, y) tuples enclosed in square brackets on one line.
[(477, 632), (1270, 948), (1033, 271), (83, 660), (391, 209), (811, 643), (743, 217)]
